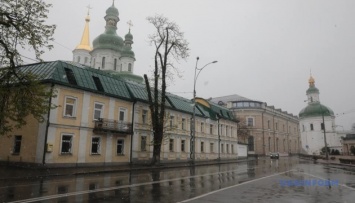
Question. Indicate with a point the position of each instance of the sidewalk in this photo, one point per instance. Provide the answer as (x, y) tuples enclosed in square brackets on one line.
[(329, 161), (15, 172)]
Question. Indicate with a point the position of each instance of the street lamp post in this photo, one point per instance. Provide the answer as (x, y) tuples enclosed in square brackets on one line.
[(193, 123), (325, 137)]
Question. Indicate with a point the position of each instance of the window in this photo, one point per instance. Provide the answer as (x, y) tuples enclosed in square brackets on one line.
[(103, 62), (227, 130), (86, 60), (227, 148), (222, 148), (283, 127), (182, 145), (221, 133), (183, 123), (171, 122), (322, 126), (202, 147), (95, 145), (239, 104), (144, 116), (98, 84), (70, 76), (202, 127), (78, 59), (122, 115), (250, 121), (66, 144), (276, 126), (121, 67), (269, 144), (115, 65), (70, 107), (120, 147), (94, 63), (232, 148), (311, 126), (303, 128), (130, 67), (17, 144), (171, 145), (98, 109), (268, 124), (143, 143), (211, 129), (251, 143), (211, 148)]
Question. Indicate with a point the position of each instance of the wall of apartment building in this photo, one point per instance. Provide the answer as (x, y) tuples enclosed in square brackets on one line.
[(273, 131)]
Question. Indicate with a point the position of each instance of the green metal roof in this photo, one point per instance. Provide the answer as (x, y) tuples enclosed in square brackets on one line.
[(56, 72), (315, 109), (312, 90), (182, 104)]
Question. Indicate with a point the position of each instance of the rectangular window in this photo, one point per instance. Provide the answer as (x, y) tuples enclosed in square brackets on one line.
[(66, 144), (98, 109), (268, 124), (70, 107), (202, 127), (144, 116), (182, 145), (227, 148), (311, 126), (227, 130), (202, 147), (250, 121), (95, 145), (122, 115), (120, 147), (222, 148), (232, 147), (211, 129), (17, 144), (171, 122), (276, 126), (221, 126), (322, 126), (171, 145), (303, 128), (211, 148), (143, 143), (183, 123)]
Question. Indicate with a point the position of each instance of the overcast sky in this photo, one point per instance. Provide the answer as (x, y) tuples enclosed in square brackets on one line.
[(265, 49)]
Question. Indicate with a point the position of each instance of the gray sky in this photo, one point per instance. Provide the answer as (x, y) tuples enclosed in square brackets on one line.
[(265, 49)]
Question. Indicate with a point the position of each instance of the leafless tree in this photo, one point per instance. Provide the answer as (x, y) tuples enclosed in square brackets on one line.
[(170, 46)]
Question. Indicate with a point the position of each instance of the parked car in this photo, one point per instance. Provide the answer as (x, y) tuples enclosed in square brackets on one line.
[(274, 155)]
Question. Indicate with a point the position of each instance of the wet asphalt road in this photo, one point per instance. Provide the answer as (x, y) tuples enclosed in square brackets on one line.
[(263, 180)]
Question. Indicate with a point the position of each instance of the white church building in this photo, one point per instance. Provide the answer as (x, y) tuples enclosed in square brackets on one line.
[(316, 122)]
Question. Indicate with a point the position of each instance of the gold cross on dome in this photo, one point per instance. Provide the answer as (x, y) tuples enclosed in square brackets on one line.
[(89, 8), (130, 24)]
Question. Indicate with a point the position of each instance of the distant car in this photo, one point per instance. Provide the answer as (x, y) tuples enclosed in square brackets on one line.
[(274, 155)]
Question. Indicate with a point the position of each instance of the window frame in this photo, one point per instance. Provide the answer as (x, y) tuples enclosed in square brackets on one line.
[(143, 144), (122, 147), (16, 145), (101, 110), (211, 147), (70, 148), (183, 143), (74, 106), (124, 110), (144, 116), (98, 143), (171, 145), (202, 147)]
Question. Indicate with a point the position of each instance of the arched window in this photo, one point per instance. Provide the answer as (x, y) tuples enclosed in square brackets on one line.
[(103, 63), (115, 65), (86, 60), (130, 67), (78, 59)]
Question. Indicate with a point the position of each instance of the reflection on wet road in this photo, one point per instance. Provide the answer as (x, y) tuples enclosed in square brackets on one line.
[(252, 181)]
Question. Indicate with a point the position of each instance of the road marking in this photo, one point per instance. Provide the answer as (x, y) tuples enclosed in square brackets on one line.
[(49, 197), (351, 188), (237, 185)]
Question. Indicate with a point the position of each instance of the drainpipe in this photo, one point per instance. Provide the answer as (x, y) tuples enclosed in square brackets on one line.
[(219, 139), (47, 127), (132, 130)]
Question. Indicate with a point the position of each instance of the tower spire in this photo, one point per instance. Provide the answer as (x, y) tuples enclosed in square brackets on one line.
[(85, 39)]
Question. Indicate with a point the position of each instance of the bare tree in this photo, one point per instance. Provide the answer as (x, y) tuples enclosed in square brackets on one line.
[(243, 131), (170, 46), (22, 27)]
